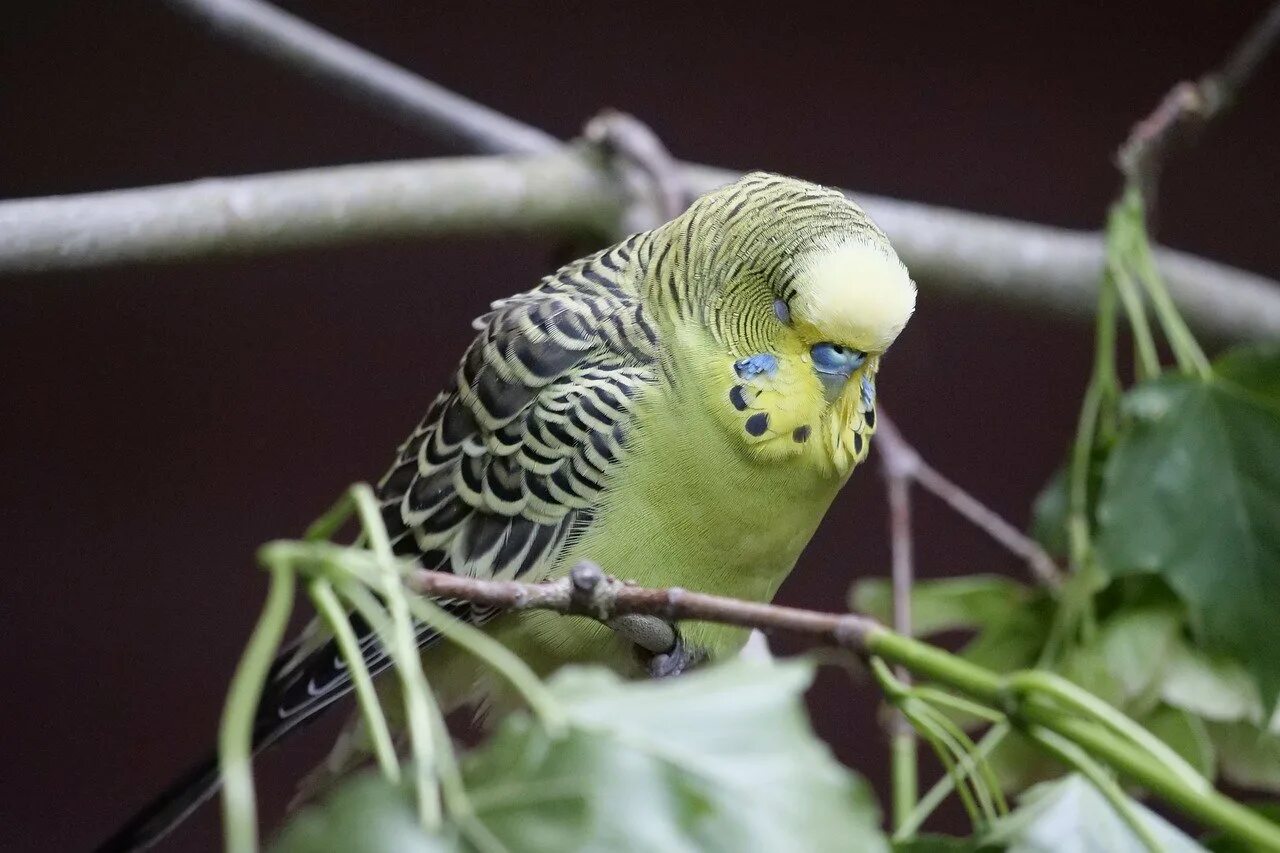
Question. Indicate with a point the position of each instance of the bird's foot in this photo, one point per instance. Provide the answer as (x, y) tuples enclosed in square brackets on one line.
[(680, 658)]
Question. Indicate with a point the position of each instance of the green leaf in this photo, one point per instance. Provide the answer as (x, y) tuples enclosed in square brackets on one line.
[(1088, 667), (1212, 687), (1020, 763), (1070, 816), (1049, 515), (1013, 641), (1186, 734), (949, 604), (1253, 368), (366, 815), (1248, 756), (1135, 645), (718, 760), (1192, 492), (1012, 618)]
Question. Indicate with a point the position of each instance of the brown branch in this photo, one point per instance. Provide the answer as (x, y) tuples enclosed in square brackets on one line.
[(588, 592), (1189, 107), (908, 461)]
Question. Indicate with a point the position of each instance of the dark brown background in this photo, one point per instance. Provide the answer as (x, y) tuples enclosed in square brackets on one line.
[(156, 424)]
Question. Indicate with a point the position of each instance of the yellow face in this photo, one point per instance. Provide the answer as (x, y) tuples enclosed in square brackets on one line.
[(811, 395)]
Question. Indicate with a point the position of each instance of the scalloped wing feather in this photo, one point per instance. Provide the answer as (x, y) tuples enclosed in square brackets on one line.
[(511, 459)]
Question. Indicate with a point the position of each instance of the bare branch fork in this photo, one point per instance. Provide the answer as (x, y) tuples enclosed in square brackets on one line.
[(902, 462), (1189, 107)]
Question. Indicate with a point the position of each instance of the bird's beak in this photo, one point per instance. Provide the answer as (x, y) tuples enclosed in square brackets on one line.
[(835, 376)]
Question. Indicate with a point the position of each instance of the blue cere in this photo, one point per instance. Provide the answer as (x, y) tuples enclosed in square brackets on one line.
[(836, 359), (755, 365)]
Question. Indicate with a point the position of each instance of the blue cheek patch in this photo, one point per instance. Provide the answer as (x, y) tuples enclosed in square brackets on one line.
[(868, 393), (756, 365)]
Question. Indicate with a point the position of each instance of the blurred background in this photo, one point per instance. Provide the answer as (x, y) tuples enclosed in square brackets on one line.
[(158, 423)]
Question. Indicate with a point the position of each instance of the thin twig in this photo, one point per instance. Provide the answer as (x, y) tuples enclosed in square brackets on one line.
[(907, 459), (367, 78), (1189, 107), (898, 464)]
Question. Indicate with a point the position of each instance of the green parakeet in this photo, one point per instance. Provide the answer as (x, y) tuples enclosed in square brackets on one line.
[(680, 408)]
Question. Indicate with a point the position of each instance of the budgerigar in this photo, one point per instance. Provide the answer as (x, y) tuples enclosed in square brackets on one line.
[(680, 408)]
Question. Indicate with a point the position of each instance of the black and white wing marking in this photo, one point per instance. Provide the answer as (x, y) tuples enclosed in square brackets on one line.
[(510, 460)]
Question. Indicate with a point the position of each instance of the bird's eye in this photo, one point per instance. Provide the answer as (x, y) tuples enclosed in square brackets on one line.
[(782, 311), (836, 359)]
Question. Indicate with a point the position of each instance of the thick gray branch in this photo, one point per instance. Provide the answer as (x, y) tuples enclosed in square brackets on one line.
[(367, 78), (556, 193), (967, 254)]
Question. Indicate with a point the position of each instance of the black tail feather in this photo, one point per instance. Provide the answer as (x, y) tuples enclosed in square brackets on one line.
[(168, 810)]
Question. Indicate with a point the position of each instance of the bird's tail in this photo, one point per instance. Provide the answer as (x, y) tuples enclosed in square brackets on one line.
[(303, 681), (167, 810)]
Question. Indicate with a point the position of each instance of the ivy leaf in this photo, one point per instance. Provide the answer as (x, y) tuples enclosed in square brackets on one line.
[(1135, 644), (1049, 515), (1213, 688), (1248, 756), (1012, 619), (366, 815), (718, 760), (722, 759), (1187, 735), (1191, 492), (1070, 816), (948, 604)]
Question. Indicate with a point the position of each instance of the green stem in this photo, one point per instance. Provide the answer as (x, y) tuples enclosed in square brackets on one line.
[(1208, 806), (1074, 756), (542, 702), (904, 760), (417, 711), (1191, 357), (235, 735), (335, 617), (928, 731), (1147, 359), (324, 527), (403, 646), (941, 698), (456, 799), (1084, 703), (944, 786), (906, 784), (978, 774)]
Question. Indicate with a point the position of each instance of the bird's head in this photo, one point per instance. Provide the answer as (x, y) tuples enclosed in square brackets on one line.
[(800, 294), (774, 263)]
